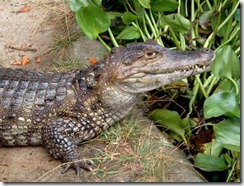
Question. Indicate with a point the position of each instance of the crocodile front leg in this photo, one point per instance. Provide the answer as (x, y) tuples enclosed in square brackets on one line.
[(61, 136)]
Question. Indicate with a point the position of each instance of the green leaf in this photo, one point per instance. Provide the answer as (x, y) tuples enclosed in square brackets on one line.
[(177, 22), (228, 133), (138, 8), (113, 15), (97, 2), (129, 32), (128, 17), (76, 4), (225, 85), (92, 20), (239, 93), (209, 163), (213, 148), (170, 120), (221, 16), (206, 18), (145, 3), (221, 103), (237, 15), (226, 63), (164, 5)]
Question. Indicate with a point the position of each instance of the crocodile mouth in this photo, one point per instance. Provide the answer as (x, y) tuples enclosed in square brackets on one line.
[(194, 69), (185, 72)]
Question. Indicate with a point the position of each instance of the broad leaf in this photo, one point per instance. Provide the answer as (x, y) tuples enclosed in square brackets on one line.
[(228, 133), (225, 85), (209, 163), (129, 32), (113, 15), (222, 103), (170, 120), (206, 18), (138, 8), (177, 22), (213, 148), (226, 63), (97, 2), (128, 17), (164, 5), (92, 20), (145, 3), (237, 14), (76, 4)]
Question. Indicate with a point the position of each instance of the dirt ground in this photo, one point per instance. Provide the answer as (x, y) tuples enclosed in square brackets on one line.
[(42, 33)]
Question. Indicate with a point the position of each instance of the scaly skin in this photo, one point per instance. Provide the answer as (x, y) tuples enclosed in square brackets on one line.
[(60, 110)]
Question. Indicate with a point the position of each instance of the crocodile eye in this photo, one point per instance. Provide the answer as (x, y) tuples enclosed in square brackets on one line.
[(151, 55)]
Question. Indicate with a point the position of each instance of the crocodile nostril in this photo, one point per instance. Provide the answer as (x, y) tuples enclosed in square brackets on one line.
[(206, 50)]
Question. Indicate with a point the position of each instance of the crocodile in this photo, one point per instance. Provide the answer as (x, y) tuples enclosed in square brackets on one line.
[(60, 110)]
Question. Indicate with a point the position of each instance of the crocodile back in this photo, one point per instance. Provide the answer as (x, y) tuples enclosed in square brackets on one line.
[(26, 97), (23, 93)]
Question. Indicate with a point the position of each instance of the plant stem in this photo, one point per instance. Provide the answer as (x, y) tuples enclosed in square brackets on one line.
[(193, 98), (228, 17), (235, 85), (228, 30), (192, 20), (208, 80), (230, 174), (103, 43), (112, 38), (213, 82), (201, 86), (209, 4), (237, 50), (145, 28), (182, 41), (233, 34), (150, 24), (178, 9), (177, 43), (139, 29), (210, 39), (153, 22), (186, 10)]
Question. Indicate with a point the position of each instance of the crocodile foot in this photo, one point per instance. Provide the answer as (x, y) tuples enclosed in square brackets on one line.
[(84, 164)]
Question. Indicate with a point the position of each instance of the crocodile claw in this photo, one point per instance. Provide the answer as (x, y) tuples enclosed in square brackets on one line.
[(84, 164)]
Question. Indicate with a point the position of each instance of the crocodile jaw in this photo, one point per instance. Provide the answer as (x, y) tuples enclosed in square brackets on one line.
[(143, 82), (144, 74)]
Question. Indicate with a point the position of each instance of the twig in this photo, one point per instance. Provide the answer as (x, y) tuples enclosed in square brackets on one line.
[(25, 49)]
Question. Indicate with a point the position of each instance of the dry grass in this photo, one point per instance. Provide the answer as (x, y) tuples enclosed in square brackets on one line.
[(138, 151)]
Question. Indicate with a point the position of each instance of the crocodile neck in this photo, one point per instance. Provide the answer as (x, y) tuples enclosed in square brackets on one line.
[(116, 101)]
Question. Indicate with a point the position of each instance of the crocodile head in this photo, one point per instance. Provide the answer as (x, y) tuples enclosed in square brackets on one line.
[(140, 67)]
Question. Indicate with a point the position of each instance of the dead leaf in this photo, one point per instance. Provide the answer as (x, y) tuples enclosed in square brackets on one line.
[(17, 63), (23, 61), (26, 8), (38, 59), (93, 61)]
